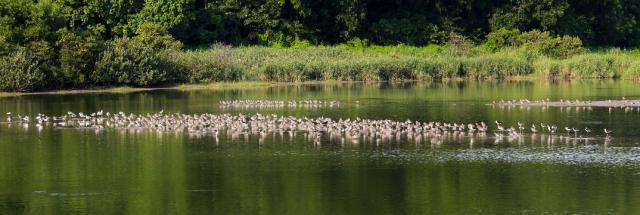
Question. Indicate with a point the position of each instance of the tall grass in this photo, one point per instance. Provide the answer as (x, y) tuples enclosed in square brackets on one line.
[(318, 63), (610, 64)]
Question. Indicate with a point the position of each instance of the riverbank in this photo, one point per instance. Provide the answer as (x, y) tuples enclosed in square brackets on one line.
[(258, 65), (238, 85), (526, 80), (182, 87)]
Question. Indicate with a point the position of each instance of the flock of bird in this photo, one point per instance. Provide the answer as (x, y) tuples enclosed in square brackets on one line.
[(263, 125), (623, 103), (278, 104), (545, 128)]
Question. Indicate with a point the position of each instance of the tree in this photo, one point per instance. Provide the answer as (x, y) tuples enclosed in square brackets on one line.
[(529, 14), (108, 18)]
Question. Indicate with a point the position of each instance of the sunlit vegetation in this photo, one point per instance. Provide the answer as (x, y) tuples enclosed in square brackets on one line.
[(54, 44)]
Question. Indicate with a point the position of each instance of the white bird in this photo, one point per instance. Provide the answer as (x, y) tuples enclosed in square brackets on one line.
[(607, 131), (500, 128)]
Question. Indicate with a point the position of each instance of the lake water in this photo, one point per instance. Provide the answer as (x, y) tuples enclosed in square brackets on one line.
[(62, 171)]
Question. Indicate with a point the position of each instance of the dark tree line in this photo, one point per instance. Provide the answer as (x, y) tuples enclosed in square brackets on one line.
[(414, 22)]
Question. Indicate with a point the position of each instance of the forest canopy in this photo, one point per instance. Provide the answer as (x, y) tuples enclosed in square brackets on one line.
[(280, 22)]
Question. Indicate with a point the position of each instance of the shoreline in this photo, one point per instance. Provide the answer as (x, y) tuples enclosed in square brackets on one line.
[(133, 89), (264, 84), (184, 87)]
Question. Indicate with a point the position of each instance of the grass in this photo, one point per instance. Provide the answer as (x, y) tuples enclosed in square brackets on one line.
[(392, 63), (611, 64), (340, 63)]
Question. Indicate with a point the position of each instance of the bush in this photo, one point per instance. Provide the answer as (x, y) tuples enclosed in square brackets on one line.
[(45, 54), (125, 63), (567, 46), (459, 45), (536, 42), (556, 47), (5, 46), (503, 38), (357, 43), (300, 43), (78, 54), (153, 35), (20, 72)]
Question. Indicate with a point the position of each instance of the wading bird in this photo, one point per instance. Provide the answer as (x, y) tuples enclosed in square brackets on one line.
[(607, 131)]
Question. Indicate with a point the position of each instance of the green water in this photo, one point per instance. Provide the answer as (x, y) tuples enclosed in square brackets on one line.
[(62, 171)]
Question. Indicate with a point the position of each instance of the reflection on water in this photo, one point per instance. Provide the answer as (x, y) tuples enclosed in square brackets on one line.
[(61, 170)]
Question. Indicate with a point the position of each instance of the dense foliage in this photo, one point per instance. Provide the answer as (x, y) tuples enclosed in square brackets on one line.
[(19, 72), (70, 43), (600, 23), (124, 62)]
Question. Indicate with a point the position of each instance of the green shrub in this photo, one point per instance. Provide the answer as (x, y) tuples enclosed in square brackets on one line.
[(125, 63), (566, 46), (20, 72), (153, 35), (45, 54), (357, 43), (556, 47), (300, 43), (536, 42), (5, 46), (503, 38), (459, 45), (78, 54), (275, 39), (534, 36)]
